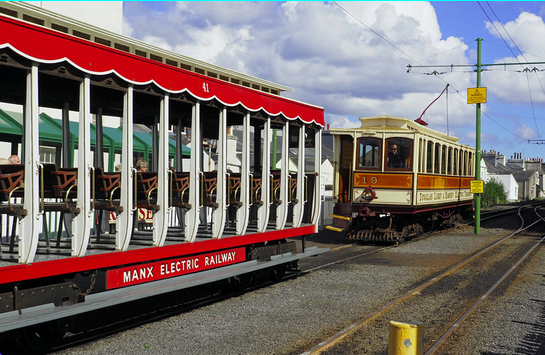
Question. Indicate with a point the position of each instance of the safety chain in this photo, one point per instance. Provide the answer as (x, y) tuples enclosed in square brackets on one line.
[(93, 281)]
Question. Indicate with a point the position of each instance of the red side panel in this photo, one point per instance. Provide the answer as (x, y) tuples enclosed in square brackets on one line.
[(113, 259)]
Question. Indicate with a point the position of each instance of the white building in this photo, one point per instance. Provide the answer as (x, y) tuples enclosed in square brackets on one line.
[(107, 15)]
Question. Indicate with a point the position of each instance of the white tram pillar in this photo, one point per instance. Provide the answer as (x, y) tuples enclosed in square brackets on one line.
[(298, 207), (124, 222), (83, 221), (243, 212), (219, 213), (160, 218), (264, 210), (29, 225), (282, 208), (316, 197), (192, 216)]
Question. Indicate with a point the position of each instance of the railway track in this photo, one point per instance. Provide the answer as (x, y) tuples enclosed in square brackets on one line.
[(172, 305), (446, 299)]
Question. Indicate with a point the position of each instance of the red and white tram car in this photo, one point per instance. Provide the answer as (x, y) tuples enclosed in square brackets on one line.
[(57, 259)]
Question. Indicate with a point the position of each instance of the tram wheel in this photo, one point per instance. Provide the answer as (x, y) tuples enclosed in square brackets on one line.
[(41, 337), (278, 271), (240, 283)]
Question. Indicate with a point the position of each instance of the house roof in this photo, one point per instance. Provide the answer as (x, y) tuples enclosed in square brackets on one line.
[(523, 175), (497, 169)]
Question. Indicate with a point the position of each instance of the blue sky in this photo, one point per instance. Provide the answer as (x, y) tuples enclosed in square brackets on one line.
[(351, 58)]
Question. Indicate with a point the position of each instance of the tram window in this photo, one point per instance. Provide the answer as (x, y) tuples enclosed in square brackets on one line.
[(464, 164), (422, 155), (444, 159), (470, 164), (463, 159), (455, 162), (400, 152), (47, 154), (437, 160), (369, 153), (429, 162)]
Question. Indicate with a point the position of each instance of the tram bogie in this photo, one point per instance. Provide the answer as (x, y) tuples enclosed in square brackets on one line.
[(394, 177)]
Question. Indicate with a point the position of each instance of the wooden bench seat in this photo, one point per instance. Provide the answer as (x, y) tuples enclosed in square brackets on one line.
[(256, 186), (180, 190), (59, 184), (233, 189), (146, 191), (209, 182), (107, 190), (275, 187), (11, 187), (292, 192)]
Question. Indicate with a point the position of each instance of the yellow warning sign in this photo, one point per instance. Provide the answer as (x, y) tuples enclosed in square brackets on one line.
[(476, 95), (477, 186)]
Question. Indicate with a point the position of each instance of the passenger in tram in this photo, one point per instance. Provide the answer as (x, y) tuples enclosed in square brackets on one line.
[(141, 166), (396, 159), (14, 159)]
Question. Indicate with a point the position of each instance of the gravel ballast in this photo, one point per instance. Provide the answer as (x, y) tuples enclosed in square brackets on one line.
[(291, 317)]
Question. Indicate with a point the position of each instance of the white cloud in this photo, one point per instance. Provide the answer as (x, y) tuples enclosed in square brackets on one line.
[(526, 132), (157, 41), (514, 84), (352, 64), (523, 30), (342, 121)]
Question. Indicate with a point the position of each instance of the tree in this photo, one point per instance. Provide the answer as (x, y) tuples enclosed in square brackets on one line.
[(494, 193)]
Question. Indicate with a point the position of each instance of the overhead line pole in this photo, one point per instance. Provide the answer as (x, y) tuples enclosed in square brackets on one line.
[(478, 143)]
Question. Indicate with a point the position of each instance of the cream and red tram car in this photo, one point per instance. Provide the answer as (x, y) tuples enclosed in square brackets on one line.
[(58, 258), (393, 176)]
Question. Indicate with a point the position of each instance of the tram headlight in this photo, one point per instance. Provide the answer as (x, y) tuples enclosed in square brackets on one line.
[(368, 194)]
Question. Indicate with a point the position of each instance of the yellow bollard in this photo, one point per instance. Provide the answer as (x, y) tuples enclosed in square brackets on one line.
[(406, 338)]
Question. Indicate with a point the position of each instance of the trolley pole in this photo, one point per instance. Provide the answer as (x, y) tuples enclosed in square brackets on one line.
[(478, 143)]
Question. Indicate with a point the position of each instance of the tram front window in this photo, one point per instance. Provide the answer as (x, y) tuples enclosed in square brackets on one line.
[(399, 153), (369, 153)]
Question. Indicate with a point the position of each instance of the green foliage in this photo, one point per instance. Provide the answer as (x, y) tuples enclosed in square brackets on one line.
[(494, 193)]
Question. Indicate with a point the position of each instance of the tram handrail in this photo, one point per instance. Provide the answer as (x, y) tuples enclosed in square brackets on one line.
[(290, 188), (201, 202), (271, 176), (228, 188), (42, 192), (135, 199), (306, 187), (93, 192), (251, 188), (171, 182)]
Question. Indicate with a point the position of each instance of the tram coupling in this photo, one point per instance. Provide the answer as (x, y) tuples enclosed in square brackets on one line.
[(60, 294)]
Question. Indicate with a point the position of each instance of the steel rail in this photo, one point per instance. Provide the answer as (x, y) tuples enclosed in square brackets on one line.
[(326, 344), (459, 321)]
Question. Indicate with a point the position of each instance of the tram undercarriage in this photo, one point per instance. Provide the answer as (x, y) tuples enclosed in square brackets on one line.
[(370, 226)]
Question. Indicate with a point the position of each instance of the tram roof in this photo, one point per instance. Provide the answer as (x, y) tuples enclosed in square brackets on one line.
[(389, 123), (43, 45)]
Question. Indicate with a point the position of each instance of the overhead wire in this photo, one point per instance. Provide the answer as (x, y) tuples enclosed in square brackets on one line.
[(434, 72), (382, 37), (516, 58), (390, 43)]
